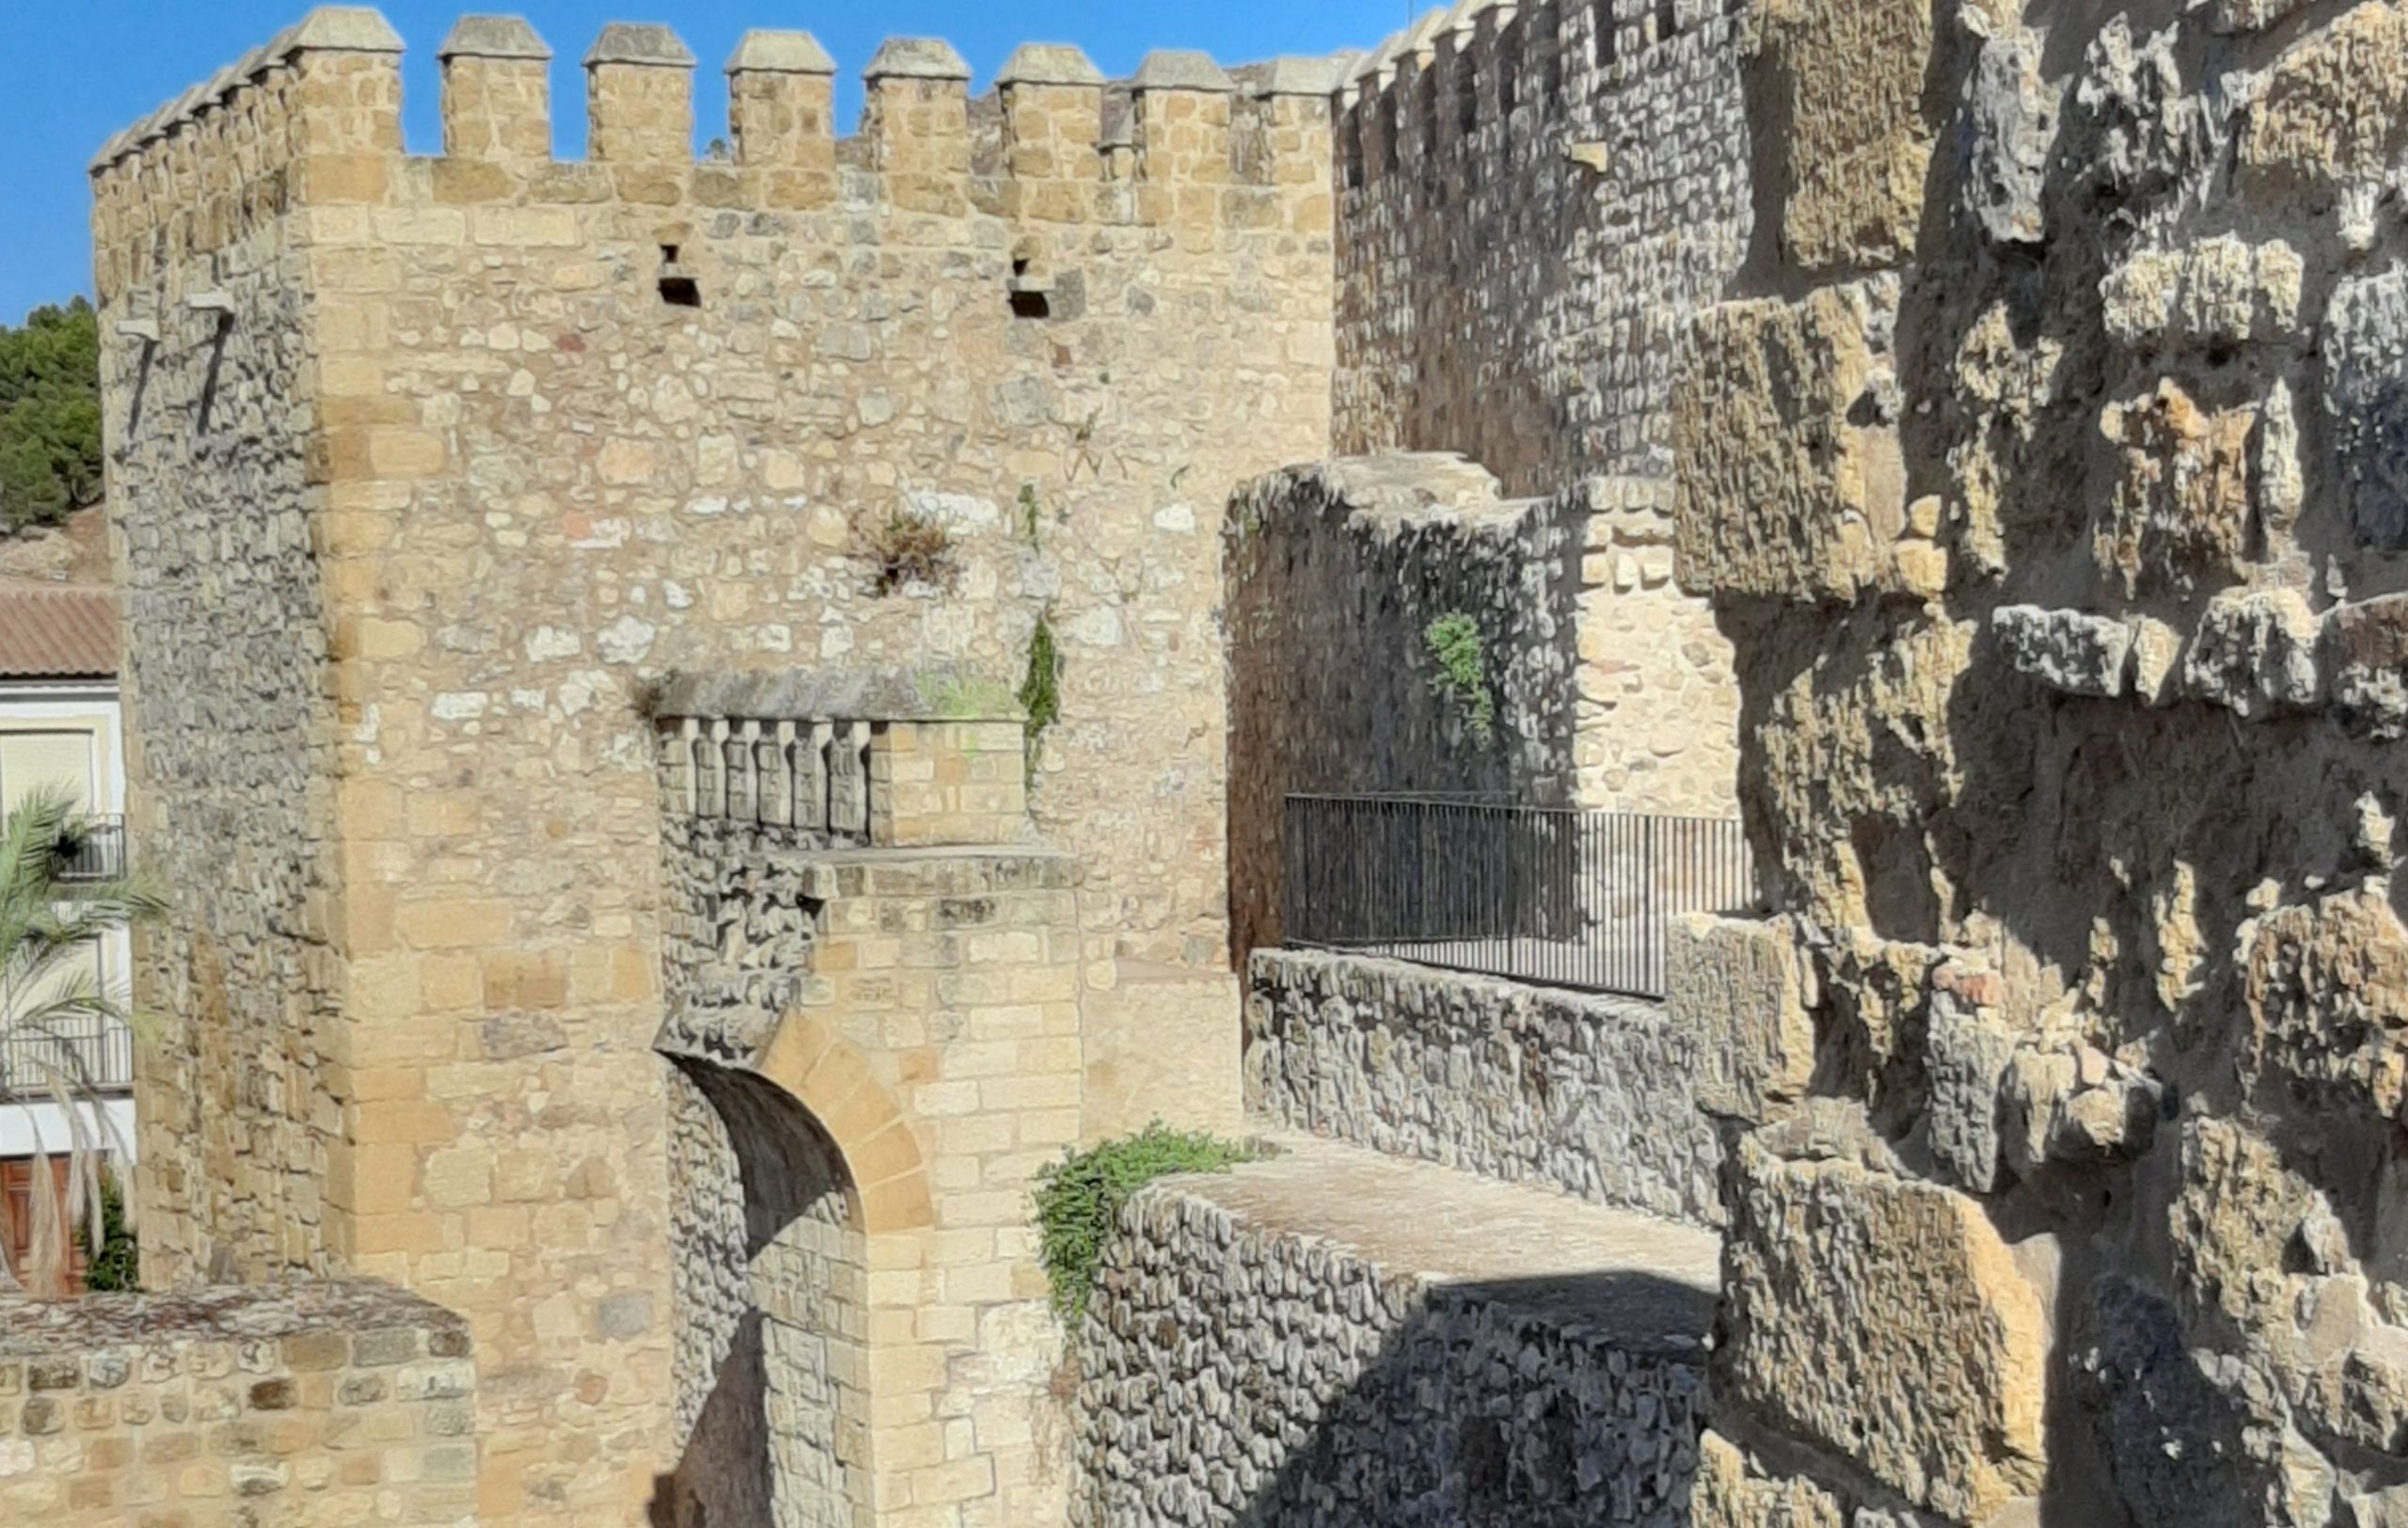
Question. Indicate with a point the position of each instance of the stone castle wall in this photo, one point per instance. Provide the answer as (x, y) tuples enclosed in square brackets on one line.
[(1336, 573), (228, 690), (2046, 471), (323, 1403), (550, 432), (1533, 197), (1532, 200), (1612, 689)]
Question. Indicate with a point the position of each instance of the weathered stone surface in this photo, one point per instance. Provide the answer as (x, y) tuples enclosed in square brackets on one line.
[(1596, 1096), (1785, 426), (2256, 652), (2139, 132), (2236, 1228), (1884, 1318), (2326, 984), (2332, 116), (1856, 753), (1735, 988), (2365, 399), (2188, 1436), (1969, 1054), (2249, 15), (916, 58), (2068, 651), (2179, 515), (2073, 1106), (2361, 1395), (2014, 111), (1731, 1494), (2366, 663), (2221, 290), (1857, 145), (1334, 1338)]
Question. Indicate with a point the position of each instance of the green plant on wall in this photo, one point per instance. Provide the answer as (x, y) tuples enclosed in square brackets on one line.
[(111, 1256), (1455, 646), (1041, 694), (1079, 1200), (1029, 516)]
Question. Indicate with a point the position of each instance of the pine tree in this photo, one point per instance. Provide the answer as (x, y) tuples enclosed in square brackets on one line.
[(50, 415)]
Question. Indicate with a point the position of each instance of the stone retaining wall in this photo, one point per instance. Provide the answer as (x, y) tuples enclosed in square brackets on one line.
[(1592, 1095), (1234, 1370), (331, 1404)]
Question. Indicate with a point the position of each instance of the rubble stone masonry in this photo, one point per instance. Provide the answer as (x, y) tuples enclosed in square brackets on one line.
[(431, 468), (1969, 434), (2045, 467)]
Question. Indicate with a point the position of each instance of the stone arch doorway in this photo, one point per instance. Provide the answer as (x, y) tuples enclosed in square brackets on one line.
[(771, 1279)]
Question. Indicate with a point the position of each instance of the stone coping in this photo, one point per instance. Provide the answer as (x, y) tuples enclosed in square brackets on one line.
[(1648, 1285), (936, 693), (224, 1314)]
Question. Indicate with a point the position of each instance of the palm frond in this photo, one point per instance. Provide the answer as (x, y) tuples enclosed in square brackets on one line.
[(46, 994)]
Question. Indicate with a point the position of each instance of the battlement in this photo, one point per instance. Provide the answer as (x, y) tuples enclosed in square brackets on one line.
[(313, 117), (1455, 79)]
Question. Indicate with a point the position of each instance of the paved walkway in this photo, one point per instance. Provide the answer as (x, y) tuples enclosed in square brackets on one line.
[(1651, 1282)]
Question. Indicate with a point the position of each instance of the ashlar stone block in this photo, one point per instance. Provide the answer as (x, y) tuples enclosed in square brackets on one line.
[(1884, 1320), (1733, 985), (2331, 116), (2326, 987), (1857, 143), (1731, 1494), (1791, 479), (2366, 398)]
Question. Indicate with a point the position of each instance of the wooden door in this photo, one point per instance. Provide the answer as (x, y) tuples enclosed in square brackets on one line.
[(17, 1216)]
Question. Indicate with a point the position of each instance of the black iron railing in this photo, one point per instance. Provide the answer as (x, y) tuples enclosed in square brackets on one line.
[(95, 852), (90, 1053), (1561, 897)]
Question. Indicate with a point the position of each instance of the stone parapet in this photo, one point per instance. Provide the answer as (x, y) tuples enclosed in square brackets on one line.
[(1531, 202), (313, 1404), (1595, 1096), (321, 103), (1335, 1338)]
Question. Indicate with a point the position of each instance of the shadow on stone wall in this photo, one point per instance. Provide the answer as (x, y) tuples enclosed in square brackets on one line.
[(1280, 1383), (782, 1434)]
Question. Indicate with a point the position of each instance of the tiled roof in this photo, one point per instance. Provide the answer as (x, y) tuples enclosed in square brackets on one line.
[(58, 633)]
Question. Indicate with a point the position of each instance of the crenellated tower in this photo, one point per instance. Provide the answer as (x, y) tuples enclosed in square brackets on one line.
[(437, 472)]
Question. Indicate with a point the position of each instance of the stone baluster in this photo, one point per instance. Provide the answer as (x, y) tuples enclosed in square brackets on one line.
[(811, 778), (744, 782), (848, 779), (710, 795), (678, 762), (774, 752)]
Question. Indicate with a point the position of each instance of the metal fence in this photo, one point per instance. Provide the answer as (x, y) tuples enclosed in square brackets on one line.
[(1561, 897), (91, 1051), (97, 852)]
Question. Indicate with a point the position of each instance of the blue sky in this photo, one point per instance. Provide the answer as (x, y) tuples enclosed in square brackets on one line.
[(71, 73)]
